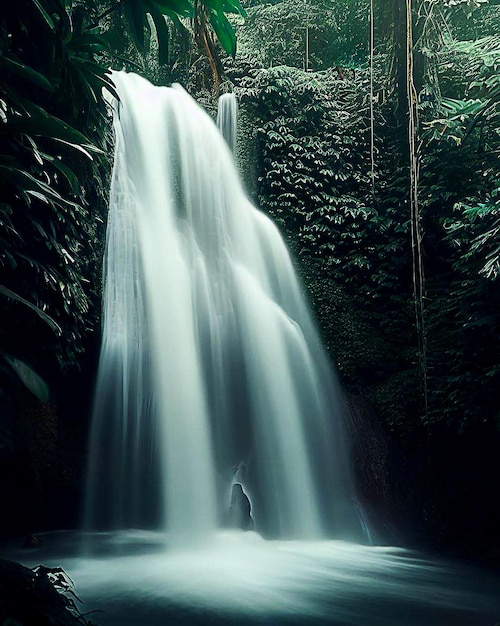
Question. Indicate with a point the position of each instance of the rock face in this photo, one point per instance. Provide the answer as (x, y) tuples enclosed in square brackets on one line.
[(42, 460), (27, 442), (240, 512)]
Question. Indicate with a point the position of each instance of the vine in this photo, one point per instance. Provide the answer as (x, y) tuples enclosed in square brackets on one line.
[(418, 273)]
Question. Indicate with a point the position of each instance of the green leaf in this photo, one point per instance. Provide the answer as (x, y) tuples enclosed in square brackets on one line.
[(181, 8), (95, 77), (214, 5), (38, 122), (29, 378), (89, 41), (66, 171), (44, 14), (224, 32), (162, 34), (83, 149), (30, 184), (234, 6), (136, 17), (46, 318), (13, 66), (177, 23)]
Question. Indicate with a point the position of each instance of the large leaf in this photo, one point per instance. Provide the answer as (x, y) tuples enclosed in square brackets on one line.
[(162, 34), (136, 18), (66, 172), (182, 8), (90, 40), (93, 78), (224, 32), (39, 122), (234, 6), (31, 185), (46, 318), (44, 14), (16, 67), (456, 107), (29, 377), (177, 22)]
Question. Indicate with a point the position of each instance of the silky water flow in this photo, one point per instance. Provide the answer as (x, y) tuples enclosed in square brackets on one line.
[(213, 390), (227, 118), (211, 374)]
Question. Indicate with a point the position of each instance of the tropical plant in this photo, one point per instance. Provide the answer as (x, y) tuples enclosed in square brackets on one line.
[(48, 235), (54, 59), (40, 596), (313, 150), (309, 34), (348, 212)]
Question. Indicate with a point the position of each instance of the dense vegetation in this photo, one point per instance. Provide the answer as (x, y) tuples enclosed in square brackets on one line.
[(371, 138), (54, 166), (315, 176), (381, 165)]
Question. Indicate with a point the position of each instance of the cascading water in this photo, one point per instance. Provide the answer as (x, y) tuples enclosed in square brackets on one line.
[(227, 118), (211, 370), (212, 384)]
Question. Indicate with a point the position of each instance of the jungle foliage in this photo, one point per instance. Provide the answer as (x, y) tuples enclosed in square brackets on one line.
[(54, 164), (303, 77), (350, 224), (380, 163), (336, 34)]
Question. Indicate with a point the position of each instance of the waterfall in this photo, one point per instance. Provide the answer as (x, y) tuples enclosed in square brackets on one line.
[(227, 117), (211, 371)]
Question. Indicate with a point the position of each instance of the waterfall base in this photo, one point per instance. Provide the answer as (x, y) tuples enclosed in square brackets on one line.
[(239, 578)]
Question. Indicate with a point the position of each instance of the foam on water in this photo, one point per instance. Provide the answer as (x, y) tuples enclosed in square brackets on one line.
[(240, 578)]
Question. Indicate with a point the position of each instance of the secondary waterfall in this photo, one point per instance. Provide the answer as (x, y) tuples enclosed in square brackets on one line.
[(227, 117), (211, 370)]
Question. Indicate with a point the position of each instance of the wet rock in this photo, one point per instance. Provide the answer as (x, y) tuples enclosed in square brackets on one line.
[(31, 542), (240, 513)]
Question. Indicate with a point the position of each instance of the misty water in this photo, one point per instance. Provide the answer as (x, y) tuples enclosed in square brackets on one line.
[(135, 579), (227, 118), (212, 376), (211, 371)]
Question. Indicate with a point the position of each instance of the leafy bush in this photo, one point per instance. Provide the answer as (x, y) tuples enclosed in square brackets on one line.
[(38, 597), (54, 168), (313, 177), (50, 87), (312, 147), (319, 35)]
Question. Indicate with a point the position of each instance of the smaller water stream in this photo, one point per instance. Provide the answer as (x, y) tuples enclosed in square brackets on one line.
[(227, 119)]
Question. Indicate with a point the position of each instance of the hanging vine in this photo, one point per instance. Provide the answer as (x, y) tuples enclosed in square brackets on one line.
[(372, 96), (415, 219)]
